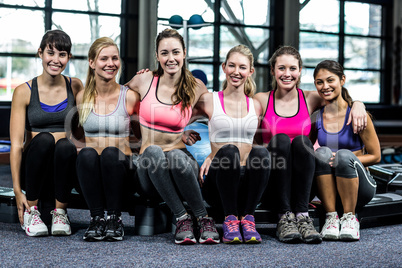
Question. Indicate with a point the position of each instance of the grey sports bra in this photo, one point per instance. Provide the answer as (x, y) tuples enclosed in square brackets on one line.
[(115, 124)]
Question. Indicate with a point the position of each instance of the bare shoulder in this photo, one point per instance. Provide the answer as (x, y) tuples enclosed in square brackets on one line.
[(257, 106), (76, 85), (140, 82), (79, 97), (262, 99), (22, 93)]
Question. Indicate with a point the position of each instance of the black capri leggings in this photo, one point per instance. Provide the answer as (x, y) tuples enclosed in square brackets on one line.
[(347, 165), (237, 189), (105, 179), (292, 173), (48, 168)]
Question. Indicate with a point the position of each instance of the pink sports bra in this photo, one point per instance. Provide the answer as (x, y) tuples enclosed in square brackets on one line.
[(160, 116), (298, 124)]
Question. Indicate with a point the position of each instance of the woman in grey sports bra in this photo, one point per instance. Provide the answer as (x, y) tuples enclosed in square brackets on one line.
[(104, 166), (42, 158)]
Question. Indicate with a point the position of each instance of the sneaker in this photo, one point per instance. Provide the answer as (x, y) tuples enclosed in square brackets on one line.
[(231, 230), (26, 217), (60, 222), (96, 229), (330, 230), (286, 229), (184, 234), (114, 228), (33, 224), (307, 230), (208, 232), (250, 234), (350, 228)]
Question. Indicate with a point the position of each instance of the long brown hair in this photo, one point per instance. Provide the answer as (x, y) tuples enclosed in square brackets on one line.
[(249, 85), (284, 50), (88, 100), (185, 87), (337, 69)]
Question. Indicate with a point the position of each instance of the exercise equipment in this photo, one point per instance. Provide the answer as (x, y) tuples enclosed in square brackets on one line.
[(196, 20), (200, 74), (176, 21)]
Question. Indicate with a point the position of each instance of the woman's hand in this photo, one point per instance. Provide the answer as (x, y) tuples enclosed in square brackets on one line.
[(204, 170), (190, 137), (22, 203), (143, 71), (331, 160), (358, 115)]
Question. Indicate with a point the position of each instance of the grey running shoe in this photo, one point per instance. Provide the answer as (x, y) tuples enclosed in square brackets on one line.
[(307, 230), (114, 228), (184, 231), (96, 229), (286, 229), (208, 232)]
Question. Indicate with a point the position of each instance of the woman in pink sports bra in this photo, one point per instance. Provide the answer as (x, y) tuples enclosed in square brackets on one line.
[(284, 130), (166, 170), (236, 172)]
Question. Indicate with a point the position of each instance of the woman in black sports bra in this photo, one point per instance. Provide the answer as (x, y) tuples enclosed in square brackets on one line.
[(42, 158)]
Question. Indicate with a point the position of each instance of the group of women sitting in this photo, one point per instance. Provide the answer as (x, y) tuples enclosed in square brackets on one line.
[(261, 145)]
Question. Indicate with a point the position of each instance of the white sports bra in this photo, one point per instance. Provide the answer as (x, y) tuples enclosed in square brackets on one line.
[(225, 129)]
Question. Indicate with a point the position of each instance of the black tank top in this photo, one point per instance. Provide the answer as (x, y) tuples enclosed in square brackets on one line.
[(38, 120)]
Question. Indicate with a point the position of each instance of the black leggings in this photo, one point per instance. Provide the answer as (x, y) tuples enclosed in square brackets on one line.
[(292, 174), (104, 178), (226, 187), (48, 168)]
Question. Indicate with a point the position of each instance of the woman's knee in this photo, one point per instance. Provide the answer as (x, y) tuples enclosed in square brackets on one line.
[(87, 154), (280, 143), (302, 142), (322, 158), (344, 164), (153, 151), (65, 147), (45, 140), (228, 150)]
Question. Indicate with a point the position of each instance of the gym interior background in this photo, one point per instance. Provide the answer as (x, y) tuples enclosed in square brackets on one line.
[(364, 36)]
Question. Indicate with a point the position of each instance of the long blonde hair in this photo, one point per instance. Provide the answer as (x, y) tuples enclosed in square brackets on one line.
[(88, 100), (185, 87), (249, 85)]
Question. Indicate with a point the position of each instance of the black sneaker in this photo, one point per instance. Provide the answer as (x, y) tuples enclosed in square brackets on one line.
[(96, 229), (208, 232), (184, 232), (114, 228)]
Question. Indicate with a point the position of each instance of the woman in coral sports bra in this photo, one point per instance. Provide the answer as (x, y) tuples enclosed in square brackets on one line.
[(165, 168), (284, 130)]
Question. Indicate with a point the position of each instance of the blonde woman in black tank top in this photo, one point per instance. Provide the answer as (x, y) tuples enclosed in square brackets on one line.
[(42, 159)]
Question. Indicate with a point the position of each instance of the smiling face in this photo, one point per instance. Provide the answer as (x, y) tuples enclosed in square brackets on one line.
[(53, 61), (107, 64), (170, 55), (329, 85), (237, 69), (286, 72)]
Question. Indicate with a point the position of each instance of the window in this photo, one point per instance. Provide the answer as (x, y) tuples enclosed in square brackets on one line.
[(238, 22), (18, 46), (353, 33)]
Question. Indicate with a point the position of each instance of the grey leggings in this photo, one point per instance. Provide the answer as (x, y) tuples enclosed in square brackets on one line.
[(171, 175), (346, 165)]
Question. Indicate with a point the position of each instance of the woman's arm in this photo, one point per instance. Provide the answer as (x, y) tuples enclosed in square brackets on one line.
[(19, 104), (76, 85), (371, 143), (358, 114), (313, 131)]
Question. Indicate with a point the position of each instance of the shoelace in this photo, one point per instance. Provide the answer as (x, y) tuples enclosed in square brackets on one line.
[(306, 225), (233, 226), (35, 218), (347, 222), (331, 222), (184, 225), (59, 217), (287, 223), (249, 225), (207, 225)]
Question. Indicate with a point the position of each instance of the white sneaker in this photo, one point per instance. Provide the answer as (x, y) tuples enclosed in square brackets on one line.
[(26, 217), (33, 224), (60, 222), (350, 227), (330, 230)]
